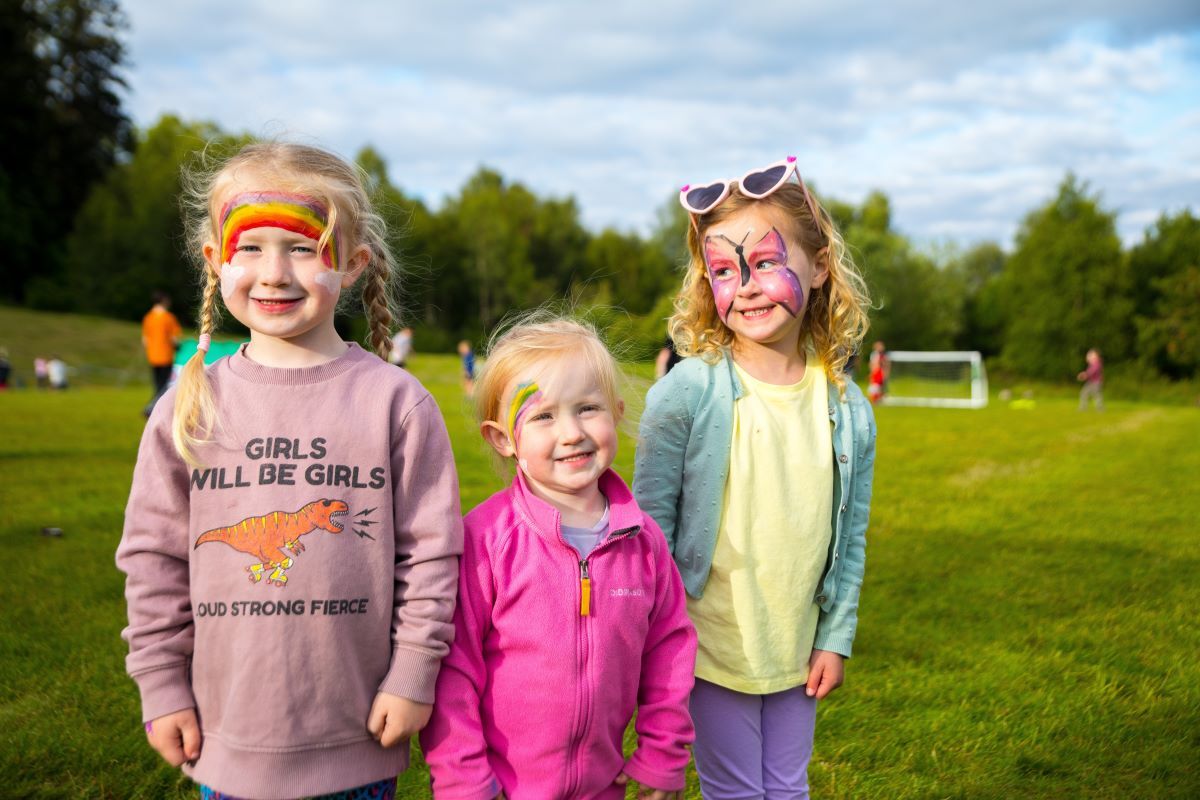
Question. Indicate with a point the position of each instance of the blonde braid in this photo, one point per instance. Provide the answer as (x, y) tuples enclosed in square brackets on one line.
[(195, 409), (377, 305)]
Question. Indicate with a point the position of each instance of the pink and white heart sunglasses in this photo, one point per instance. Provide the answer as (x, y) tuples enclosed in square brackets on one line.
[(757, 184)]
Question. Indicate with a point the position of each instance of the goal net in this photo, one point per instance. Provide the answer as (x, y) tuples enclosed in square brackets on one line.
[(952, 379)]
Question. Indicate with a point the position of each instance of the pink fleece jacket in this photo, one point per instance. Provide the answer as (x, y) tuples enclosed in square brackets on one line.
[(534, 696)]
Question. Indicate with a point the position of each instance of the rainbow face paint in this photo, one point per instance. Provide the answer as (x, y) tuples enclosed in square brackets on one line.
[(766, 264), (527, 395), (294, 213)]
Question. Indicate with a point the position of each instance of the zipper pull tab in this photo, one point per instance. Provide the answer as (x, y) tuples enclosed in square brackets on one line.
[(585, 590)]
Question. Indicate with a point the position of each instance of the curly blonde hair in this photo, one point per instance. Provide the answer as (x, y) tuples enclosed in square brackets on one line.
[(287, 167), (835, 319)]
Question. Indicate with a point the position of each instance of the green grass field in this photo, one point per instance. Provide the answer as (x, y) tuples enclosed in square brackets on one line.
[(1027, 626)]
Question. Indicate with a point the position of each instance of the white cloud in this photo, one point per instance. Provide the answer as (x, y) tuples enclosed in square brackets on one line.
[(967, 117)]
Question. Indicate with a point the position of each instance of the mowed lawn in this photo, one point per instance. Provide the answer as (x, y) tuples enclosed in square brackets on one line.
[(1028, 622)]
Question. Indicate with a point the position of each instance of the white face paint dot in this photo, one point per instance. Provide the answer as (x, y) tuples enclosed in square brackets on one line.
[(331, 281), (230, 275)]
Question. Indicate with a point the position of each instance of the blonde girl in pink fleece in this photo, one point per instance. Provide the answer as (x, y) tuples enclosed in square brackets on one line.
[(571, 614), (292, 533)]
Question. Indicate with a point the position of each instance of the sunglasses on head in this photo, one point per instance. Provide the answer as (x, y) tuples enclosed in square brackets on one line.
[(756, 184)]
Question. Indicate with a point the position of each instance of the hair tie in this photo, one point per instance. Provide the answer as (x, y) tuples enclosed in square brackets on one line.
[(203, 342)]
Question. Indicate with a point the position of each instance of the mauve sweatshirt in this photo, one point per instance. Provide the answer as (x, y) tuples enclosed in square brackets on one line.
[(311, 562)]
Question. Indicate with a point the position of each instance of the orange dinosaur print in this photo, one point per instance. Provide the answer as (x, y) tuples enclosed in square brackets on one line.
[(265, 537)]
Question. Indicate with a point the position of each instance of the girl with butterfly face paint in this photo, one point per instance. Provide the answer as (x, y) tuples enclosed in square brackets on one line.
[(756, 460)]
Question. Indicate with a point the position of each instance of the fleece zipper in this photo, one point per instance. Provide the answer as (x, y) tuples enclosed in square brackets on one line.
[(583, 716)]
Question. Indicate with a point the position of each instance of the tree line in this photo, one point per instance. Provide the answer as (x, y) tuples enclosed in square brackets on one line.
[(92, 224)]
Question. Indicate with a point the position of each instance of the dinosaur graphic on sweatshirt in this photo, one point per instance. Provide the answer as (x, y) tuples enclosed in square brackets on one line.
[(266, 537)]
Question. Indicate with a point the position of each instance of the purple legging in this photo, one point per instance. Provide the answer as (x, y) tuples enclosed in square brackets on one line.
[(752, 746)]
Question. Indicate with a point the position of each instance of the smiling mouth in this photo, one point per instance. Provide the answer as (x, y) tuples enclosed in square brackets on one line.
[(575, 458), (755, 313), (276, 304)]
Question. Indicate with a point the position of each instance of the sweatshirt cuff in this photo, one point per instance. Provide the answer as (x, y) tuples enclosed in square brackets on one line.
[(412, 675), (666, 780), (164, 691), (842, 645)]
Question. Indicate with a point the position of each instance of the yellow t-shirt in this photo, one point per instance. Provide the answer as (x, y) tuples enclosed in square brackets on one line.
[(757, 619)]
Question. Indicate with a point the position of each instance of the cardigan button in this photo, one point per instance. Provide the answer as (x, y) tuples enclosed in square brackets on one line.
[(821, 598), (843, 508), (843, 458)]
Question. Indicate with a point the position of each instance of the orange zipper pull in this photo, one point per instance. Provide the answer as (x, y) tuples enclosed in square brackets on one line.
[(585, 590)]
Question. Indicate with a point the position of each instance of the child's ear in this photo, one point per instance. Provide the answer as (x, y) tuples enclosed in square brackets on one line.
[(620, 410), (210, 256), (498, 438), (820, 268), (355, 264)]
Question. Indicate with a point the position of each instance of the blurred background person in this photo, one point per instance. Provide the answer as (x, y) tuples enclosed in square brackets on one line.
[(667, 358), (56, 373), (160, 340), (402, 345), (1093, 381)]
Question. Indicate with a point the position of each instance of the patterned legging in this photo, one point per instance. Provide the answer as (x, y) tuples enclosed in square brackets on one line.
[(380, 790)]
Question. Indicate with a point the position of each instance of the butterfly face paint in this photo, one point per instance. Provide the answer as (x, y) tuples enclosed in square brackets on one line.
[(294, 213), (730, 267), (527, 395)]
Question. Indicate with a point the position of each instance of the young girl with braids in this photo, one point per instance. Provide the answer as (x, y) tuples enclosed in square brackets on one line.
[(292, 535), (756, 459)]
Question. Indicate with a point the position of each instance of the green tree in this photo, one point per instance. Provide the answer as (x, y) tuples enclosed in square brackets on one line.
[(1065, 287), (416, 243), (60, 64), (1165, 270), (633, 269), (129, 237), (492, 221), (916, 305), (978, 272)]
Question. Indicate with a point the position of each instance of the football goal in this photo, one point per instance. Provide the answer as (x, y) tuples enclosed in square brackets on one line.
[(952, 379)]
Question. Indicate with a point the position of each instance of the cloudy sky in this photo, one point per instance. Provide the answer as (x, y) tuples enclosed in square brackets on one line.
[(966, 115)]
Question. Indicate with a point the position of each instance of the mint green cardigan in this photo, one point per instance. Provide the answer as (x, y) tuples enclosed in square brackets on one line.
[(683, 462)]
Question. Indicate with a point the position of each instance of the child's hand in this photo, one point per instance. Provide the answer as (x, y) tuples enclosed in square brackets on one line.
[(394, 719), (825, 673), (175, 736), (648, 793)]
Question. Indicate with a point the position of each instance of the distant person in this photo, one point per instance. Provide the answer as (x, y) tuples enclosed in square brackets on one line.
[(5, 369), (667, 358), (293, 530), (56, 373), (547, 403), (160, 340), (880, 367), (851, 365), (756, 460), (41, 373), (1093, 381), (402, 345), (467, 354)]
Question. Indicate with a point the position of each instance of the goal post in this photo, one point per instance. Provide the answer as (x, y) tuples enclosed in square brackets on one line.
[(945, 379)]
